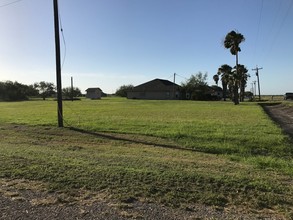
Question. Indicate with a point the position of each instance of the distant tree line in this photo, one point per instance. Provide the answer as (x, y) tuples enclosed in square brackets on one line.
[(15, 91)]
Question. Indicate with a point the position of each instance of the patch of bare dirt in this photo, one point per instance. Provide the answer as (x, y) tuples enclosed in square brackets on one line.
[(23, 199)]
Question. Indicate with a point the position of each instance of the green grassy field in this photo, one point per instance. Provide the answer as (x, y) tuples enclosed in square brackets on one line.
[(174, 152)]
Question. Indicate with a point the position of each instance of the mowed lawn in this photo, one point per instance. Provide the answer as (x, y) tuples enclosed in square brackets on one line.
[(173, 152)]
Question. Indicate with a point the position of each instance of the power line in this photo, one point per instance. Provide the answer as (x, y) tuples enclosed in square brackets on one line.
[(7, 4), (258, 28), (63, 38), (275, 37), (169, 77), (282, 24), (271, 31), (181, 76)]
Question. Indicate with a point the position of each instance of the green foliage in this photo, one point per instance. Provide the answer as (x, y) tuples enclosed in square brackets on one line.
[(46, 89), (122, 90), (225, 71), (196, 88), (67, 92), (216, 78), (232, 42), (14, 91), (241, 79)]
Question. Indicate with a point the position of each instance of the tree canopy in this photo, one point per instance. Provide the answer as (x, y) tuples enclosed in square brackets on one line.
[(14, 91), (122, 90), (69, 92), (196, 87), (46, 89), (232, 41)]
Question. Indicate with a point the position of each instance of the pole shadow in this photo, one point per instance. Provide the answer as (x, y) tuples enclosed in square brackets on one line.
[(115, 138)]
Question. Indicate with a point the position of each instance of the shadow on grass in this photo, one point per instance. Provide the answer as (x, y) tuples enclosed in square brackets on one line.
[(115, 138), (263, 104), (207, 150)]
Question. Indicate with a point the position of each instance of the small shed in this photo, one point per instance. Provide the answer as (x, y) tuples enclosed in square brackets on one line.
[(93, 93)]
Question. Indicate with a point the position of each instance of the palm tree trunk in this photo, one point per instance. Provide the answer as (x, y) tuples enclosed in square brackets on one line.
[(236, 94), (242, 91), (224, 85)]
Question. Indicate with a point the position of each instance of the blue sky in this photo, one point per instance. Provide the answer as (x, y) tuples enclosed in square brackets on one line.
[(110, 43)]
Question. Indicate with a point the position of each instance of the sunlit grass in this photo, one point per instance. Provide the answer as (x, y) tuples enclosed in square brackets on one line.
[(235, 154), (69, 160), (214, 127)]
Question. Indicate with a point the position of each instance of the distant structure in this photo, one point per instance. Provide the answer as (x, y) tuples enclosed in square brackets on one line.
[(157, 89), (93, 93)]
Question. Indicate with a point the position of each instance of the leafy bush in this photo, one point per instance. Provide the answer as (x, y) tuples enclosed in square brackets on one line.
[(14, 91), (122, 90)]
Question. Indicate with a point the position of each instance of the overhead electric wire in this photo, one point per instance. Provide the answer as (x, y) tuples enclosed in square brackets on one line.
[(76, 115), (10, 3), (272, 28), (258, 29), (170, 77), (274, 31), (181, 76), (280, 27), (64, 42)]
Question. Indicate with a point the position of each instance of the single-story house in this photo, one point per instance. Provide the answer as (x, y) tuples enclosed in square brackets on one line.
[(93, 93), (216, 92), (157, 89), (203, 92)]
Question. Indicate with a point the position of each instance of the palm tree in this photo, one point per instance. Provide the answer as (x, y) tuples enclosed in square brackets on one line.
[(243, 80), (232, 42), (216, 78), (225, 71)]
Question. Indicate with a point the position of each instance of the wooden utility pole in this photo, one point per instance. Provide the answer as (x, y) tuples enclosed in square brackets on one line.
[(71, 88), (174, 92), (254, 82), (58, 65), (257, 74)]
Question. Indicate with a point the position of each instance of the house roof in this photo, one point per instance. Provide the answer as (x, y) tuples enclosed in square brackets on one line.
[(216, 88), (155, 85), (92, 89)]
